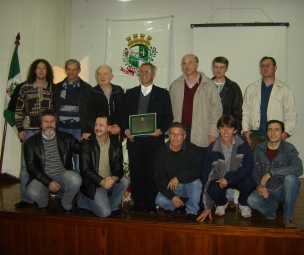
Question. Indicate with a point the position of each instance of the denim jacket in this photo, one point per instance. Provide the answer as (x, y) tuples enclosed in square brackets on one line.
[(286, 161)]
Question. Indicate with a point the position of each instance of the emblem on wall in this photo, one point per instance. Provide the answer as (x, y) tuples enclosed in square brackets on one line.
[(139, 51)]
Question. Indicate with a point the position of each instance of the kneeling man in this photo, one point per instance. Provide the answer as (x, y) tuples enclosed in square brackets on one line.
[(101, 168), (48, 159), (178, 167), (228, 164), (277, 167)]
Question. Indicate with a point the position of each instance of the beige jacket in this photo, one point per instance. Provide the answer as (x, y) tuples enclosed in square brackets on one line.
[(207, 108), (281, 106)]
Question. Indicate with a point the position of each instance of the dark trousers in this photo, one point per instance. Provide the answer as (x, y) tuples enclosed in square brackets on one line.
[(141, 158), (245, 187)]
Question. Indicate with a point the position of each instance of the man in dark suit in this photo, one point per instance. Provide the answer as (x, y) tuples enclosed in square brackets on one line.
[(146, 98)]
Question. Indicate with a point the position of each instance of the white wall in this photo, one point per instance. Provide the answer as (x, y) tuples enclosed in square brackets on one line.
[(88, 33), (44, 26)]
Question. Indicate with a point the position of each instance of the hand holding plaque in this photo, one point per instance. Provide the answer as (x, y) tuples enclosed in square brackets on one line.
[(142, 124)]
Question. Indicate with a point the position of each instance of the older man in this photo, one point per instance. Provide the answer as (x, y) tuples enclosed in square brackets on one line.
[(145, 98), (48, 158), (104, 99), (196, 103)]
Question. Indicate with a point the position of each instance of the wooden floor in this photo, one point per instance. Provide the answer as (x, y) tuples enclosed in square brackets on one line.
[(30, 231)]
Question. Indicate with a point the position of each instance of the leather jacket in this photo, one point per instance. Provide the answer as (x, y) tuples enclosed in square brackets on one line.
[(34, 155), (89, 164)]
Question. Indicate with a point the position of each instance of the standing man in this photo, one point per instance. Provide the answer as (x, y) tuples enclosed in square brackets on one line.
[(178, 173), (228, 164), (277, 167), (267, 99), (230, 92), (35, 96), (196, 103), (104, 99), (102, 172), (146, 98), (48, 158), (69, 100)]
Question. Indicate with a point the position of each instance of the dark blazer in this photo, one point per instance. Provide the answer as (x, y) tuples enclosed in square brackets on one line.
[(89, 164), (34, 155), (97, 104), (160, 103), (84, 89)]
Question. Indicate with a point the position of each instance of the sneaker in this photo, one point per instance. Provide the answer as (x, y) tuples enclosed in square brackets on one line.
[(220, 209), (289, 223), (245, 211)]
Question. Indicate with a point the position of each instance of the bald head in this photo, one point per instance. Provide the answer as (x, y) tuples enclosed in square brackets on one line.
[(104, 75)]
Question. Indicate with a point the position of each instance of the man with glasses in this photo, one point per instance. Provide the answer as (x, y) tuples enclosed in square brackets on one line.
[(196, 103), (267, 99), (142, 99), (178, 169)]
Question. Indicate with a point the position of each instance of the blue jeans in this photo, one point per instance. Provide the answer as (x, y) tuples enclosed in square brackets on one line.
[(190, 190), (70, 181), (77, 134), (103, 204), (24, 176), (287, 192)]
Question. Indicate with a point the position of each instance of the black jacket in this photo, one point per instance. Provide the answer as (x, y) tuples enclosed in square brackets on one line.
[(84, 90), (97, 104), (89, 164), (232, 101), (35, 157)]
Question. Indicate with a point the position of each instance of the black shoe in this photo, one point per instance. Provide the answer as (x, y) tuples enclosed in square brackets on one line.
[(137, 208), (151, 209), (66, 211), (191, 217), (171, 213), (22, 204), (181, 209), (44, 208), (80, 210), (119, 212)]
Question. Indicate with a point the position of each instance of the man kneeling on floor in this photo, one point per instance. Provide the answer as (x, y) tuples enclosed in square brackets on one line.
[(48, 159), (101, 168), (277, 167), (178, 167), (228, 164)]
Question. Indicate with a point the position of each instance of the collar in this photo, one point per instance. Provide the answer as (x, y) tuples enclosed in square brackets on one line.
[(184, 146), (67, 83), (146, 89), (230, 146), (192, 84), (35, 85)]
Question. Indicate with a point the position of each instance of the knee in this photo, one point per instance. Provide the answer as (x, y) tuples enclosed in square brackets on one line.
[(75, 180), (103, 213), (252, 200), (161, 200), (197, 184), (291, 180)]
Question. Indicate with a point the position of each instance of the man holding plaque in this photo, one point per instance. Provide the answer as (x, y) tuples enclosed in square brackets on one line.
[(142, 100)]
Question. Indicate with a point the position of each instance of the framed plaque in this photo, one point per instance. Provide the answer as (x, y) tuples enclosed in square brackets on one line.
[(142, 124)]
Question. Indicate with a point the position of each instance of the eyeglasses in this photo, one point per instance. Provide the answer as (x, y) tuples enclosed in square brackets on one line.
[(145, 71), (267, 66), (176, 134)]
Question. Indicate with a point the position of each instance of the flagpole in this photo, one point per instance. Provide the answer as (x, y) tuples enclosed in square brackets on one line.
[(7, 178)]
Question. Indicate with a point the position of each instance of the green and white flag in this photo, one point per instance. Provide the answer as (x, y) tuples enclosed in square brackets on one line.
[(14, 78)]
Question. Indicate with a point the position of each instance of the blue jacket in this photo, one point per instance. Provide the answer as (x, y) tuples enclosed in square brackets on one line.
[(214, 166), (286, 161)]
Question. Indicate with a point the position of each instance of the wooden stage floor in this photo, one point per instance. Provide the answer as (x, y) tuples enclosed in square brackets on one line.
[(231, 226)]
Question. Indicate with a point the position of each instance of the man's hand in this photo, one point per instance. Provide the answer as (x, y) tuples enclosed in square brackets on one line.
[(85, 136), (204, 215), (114, 130), (222, 182), (177, 202), (173, 184), (157, 133), (265, 179), (108, 182), (211, 139), (22, 135), (284, 136), (263, 191), (247, 136), (130, 137), (54, 186)]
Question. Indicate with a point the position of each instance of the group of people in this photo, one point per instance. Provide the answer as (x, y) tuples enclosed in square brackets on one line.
[(204, 157)]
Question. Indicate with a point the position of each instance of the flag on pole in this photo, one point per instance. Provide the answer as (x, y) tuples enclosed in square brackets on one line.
[(14, 78)]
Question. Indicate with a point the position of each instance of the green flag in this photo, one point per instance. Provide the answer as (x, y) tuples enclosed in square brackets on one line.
[(14, 78)]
